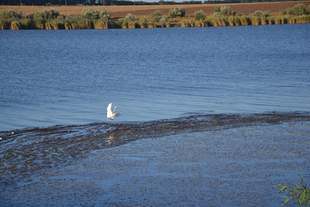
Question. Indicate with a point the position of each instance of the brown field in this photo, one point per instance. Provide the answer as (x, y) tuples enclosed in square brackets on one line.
[(120, 11)]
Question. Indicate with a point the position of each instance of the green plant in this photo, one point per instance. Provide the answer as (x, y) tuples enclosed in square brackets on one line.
[(38, 20), (45, 15), (177, 12), (91, 14), (129, 21), (164, 21), (234, 21), (244, 20), (224, 11), (94, 19), (101, 24), (260, 13), (116, 23), (255, 20), (15, 25), (55, 24), (4, 24), (100, 19), (26, 23), (156, 16), (77, 22), (42, 19), (298, 10), (270, 20), (104, 15), (200, 15), (298, 194), (10, 15), (143, 22), (83, 23)]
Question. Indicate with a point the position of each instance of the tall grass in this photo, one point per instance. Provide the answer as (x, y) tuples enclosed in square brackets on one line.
[(200, 19), (130, 21), (93, 19)]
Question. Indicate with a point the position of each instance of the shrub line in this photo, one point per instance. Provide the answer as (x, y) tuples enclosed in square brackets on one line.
[(93, 19)]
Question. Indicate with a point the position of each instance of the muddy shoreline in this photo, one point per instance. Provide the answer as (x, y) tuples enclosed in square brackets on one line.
[(26, 151)]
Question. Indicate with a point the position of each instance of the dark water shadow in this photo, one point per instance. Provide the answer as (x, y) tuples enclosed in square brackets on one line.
[(26, 151)]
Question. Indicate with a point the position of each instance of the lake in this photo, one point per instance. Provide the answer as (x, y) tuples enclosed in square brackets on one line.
[(69, 77)]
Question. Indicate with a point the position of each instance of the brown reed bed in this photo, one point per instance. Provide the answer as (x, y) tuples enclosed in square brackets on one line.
[(176, 17)]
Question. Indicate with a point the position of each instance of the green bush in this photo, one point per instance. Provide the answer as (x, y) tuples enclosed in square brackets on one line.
[(224, 11), (4, 24), (260, 13), (38, 21), (104, 14), (130, 21), (143, 22), (177, 12), (164, 22), (45, 15), (200, 15), (26, 23), (298, 194), (91, 14), (297, 10), (10, 20), (116, 23), (156, 16), (95, 19), (260, 18), (42, 19), (10, 15)]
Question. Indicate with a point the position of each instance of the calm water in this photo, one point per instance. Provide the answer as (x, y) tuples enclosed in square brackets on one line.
[(66, 77)]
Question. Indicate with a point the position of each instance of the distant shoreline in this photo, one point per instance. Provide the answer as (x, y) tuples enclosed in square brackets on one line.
[(187, 24), (95, 17)]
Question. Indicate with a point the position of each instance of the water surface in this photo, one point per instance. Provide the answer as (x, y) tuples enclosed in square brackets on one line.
[(67, 77)]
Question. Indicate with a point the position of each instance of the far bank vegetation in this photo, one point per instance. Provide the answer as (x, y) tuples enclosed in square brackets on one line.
[(93, 19)]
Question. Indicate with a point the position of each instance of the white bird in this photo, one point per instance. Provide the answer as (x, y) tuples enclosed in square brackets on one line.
[(111, 114)]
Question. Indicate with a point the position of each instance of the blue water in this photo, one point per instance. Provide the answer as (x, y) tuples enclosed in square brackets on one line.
[(68, 77)]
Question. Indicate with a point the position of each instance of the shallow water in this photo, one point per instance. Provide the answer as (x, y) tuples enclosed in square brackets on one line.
[(27, 151), (67, 77), (232, 167)]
